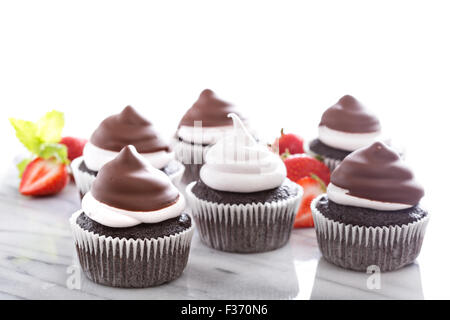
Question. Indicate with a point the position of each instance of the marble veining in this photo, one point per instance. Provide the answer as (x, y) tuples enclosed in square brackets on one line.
[(38, 261)]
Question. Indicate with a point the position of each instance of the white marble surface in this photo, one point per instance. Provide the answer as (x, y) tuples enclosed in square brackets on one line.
[(37, 252)]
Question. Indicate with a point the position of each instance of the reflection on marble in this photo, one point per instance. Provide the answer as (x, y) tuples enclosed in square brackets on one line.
[(332, 282), (38, 260)]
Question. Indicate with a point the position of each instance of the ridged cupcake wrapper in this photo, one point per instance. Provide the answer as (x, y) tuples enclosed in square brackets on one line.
[(242, 228), (358, 247), (84, 180), (130, 263)]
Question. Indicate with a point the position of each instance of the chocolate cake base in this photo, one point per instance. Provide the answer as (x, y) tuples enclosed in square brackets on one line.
[(248, 225), (357, 247), (152, 255), (287, 190), (141, 231), (357, 216), (323, 150)]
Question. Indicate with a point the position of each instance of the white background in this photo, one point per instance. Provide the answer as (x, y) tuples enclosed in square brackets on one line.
[(282, 62)]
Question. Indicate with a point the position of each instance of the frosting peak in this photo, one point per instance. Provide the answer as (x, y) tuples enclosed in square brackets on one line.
[(209, 109), (237, 163), (374, 177), (128, 128), (129, 182), (349, 115), (130, 116)]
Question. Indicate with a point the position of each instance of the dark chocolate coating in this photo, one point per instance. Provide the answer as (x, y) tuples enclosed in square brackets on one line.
[(128, 182), (324, 150), (171, 168), (140, 231), (212, 111), (358, 216), (286, 190), (377, 173), (128, 128), (349, 115)]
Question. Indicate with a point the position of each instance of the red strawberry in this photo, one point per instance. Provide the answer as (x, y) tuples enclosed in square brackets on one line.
[(300, 166), (43, 177), (288, 143), (312, 187), (74, 145)]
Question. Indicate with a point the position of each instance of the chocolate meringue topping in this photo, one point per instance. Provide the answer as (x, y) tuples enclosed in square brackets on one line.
[(377, 173), (128, 182), (128, 128), (349, 115), (212, 111)]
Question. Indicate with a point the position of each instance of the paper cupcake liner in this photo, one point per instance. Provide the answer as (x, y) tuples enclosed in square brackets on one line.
[(130, 263), (84, 180), (358, 247), (255, 227)]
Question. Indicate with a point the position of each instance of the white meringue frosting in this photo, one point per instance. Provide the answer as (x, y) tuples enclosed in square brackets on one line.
[(237, 163)]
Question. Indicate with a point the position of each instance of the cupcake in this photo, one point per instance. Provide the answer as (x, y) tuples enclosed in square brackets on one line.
[(243, 201), (370, 214), (201, 126), (344, 128), (132, 230), (116, 132)]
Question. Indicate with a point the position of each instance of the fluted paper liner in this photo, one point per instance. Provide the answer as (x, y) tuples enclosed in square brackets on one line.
[(131, 263), (255, 227), (358, 247), (84, 180)]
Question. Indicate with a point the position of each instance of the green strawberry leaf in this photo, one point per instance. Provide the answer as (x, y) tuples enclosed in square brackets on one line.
[(54, 150), (22, 165), (50, 126), (320, 158), (320, 181), (26, 132)]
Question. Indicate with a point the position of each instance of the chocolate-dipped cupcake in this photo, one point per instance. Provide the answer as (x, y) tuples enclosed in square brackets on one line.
[(116, 132), (202, 125), (344, 128), (243, 201), (132, 230), (371, 213)]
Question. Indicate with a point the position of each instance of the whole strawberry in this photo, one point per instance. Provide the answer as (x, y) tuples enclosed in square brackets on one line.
[(300, 166), (74, 146), (288, 143)]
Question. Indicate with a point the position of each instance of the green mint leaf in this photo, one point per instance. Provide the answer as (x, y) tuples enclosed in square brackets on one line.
[(54, 150), (22, 165), (50, 126), (26, 132)]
